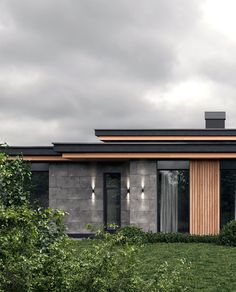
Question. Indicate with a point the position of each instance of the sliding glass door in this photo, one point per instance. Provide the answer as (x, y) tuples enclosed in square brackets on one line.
[(173, 200), (228, 196)]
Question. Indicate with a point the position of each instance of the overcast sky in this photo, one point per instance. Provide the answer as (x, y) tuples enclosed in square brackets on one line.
[(69, 66)]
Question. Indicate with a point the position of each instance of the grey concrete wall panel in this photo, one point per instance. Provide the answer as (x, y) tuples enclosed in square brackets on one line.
[(70, 189), (143, 207)]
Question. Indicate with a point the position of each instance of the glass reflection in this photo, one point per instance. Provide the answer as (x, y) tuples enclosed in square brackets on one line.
[(40, 187), (173, 201), (112, 198), (228, 196)]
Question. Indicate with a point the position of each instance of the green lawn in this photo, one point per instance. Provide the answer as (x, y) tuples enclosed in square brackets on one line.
[(213, 267)]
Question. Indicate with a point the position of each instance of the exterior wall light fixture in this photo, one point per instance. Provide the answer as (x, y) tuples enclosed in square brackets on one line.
[(142, 189), (93, 189), (93, 195)]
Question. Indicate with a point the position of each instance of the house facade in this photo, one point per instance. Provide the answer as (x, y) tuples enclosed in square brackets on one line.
[(169, 180)]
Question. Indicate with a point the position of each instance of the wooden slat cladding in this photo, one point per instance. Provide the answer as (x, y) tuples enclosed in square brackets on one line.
[(204, 197)]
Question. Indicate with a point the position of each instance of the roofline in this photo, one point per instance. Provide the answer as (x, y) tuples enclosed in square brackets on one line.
[(30, 150), (181, 147), (165, 132)]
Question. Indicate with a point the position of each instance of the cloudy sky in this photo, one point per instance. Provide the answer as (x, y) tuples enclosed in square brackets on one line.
[(69, 66)]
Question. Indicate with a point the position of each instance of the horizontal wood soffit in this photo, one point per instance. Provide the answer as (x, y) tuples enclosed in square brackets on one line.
[(148, 155), (41, 158), (87, 156), (167, 138)]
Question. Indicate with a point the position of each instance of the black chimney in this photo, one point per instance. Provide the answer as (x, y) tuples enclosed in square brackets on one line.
[(215, 120)]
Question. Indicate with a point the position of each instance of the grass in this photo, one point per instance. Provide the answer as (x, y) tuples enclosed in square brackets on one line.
[(213, 267)]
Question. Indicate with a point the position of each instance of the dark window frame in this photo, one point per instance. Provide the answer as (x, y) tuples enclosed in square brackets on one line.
[(105, 197), (171, 164)]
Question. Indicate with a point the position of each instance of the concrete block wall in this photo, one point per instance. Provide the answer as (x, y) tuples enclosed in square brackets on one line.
[(70, 189), (143, 207)]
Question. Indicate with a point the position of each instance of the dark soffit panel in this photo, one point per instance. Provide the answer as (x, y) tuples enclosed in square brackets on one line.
[(165, 132), (190, 147)]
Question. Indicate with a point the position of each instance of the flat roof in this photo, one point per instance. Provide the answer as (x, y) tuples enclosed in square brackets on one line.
[(158, 147), (165, 132), (30, 150)]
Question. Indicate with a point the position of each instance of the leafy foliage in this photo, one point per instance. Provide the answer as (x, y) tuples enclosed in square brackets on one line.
[(180, 237), (15, 178), (132, 235), (135, 235), (36, 255), (228, 234), (29, 263)]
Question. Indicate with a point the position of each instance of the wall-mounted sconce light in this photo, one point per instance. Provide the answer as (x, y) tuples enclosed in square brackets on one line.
[(128, 189), (93, 189), (93, 195), (142, 189)]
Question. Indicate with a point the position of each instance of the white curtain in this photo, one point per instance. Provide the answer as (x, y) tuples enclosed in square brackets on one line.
[(169, 201)]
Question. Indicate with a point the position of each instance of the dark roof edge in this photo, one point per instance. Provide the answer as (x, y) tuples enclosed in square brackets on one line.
[(146, 148), (30, 150), (165, 132)]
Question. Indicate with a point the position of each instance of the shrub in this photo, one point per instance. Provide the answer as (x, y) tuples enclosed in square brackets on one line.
[(108, 267), (169, 278), (27, 241), (36, 255), (132, 235), (180, 237), (227, 234), (102, 266), (15, 181), (135, 235)]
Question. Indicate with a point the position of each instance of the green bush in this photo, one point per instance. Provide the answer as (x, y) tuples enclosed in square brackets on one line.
[(27, 238), (15, 181), (103, 266), (36, 255), (109, 267), (135, 235), (180, 237), (227, 234), (132, 235)]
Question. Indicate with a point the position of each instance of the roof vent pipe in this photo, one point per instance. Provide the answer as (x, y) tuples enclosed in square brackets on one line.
[(215, 120)]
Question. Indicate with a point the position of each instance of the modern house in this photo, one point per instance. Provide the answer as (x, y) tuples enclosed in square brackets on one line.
[(161, 180)]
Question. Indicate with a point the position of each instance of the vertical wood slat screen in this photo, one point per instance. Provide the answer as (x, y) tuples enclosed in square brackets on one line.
[(204, 197)]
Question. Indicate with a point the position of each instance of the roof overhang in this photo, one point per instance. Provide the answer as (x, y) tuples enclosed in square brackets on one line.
[(113, 151), (128, 156), (167, 135)]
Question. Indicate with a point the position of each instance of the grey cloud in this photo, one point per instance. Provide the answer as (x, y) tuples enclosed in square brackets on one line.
[(94, 62)]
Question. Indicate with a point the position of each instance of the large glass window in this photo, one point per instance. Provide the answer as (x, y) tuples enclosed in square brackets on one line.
[(173, 200), (228, 195), (40, 187), (40, 184), (112, 198)]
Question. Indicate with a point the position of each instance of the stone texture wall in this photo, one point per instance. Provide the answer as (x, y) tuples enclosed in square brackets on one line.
[(143, 207), (70, 189)]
